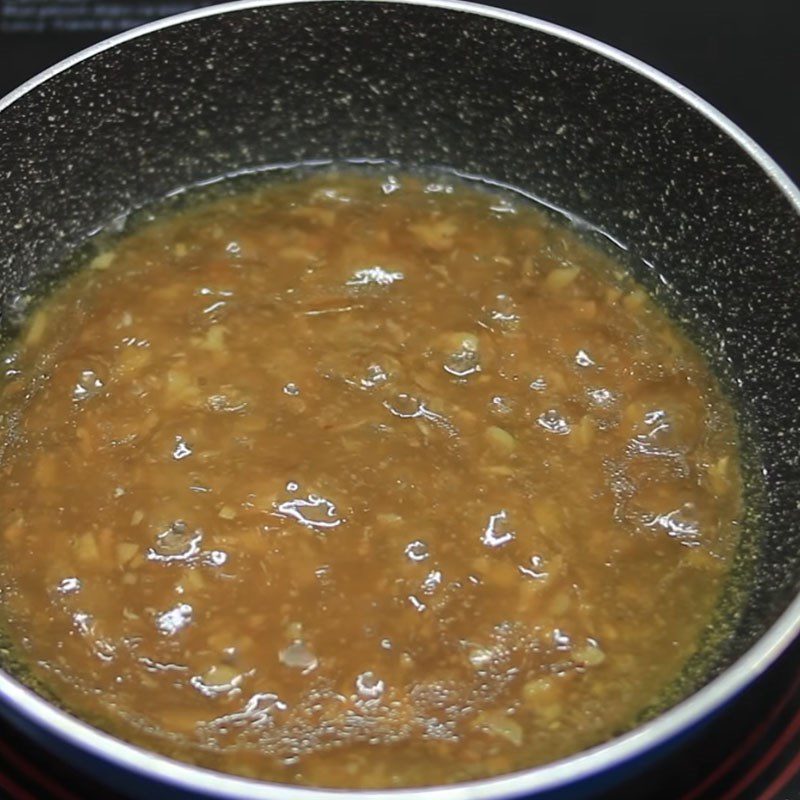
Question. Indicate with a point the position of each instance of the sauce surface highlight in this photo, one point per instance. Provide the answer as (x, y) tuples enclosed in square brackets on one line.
[(360, 481)]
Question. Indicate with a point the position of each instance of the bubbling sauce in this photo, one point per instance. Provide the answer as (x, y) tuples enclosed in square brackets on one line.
[(360, 480)]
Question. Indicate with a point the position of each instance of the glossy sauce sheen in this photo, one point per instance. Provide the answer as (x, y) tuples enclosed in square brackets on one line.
[(361, 481)]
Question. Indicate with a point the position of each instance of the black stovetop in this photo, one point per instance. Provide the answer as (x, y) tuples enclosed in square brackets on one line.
[(744, 58)]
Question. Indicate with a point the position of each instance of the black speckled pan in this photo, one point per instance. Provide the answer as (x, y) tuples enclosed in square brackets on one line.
[(699, 206)]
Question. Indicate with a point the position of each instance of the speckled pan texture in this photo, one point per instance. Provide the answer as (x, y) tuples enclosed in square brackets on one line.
[(433, 86)]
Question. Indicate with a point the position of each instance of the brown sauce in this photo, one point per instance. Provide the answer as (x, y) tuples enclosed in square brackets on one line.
[(360, 481)]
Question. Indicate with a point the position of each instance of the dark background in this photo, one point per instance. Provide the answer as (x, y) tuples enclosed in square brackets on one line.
[(743, 57)]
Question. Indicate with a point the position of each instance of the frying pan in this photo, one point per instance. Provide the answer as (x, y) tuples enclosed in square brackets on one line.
[(702, 215)]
